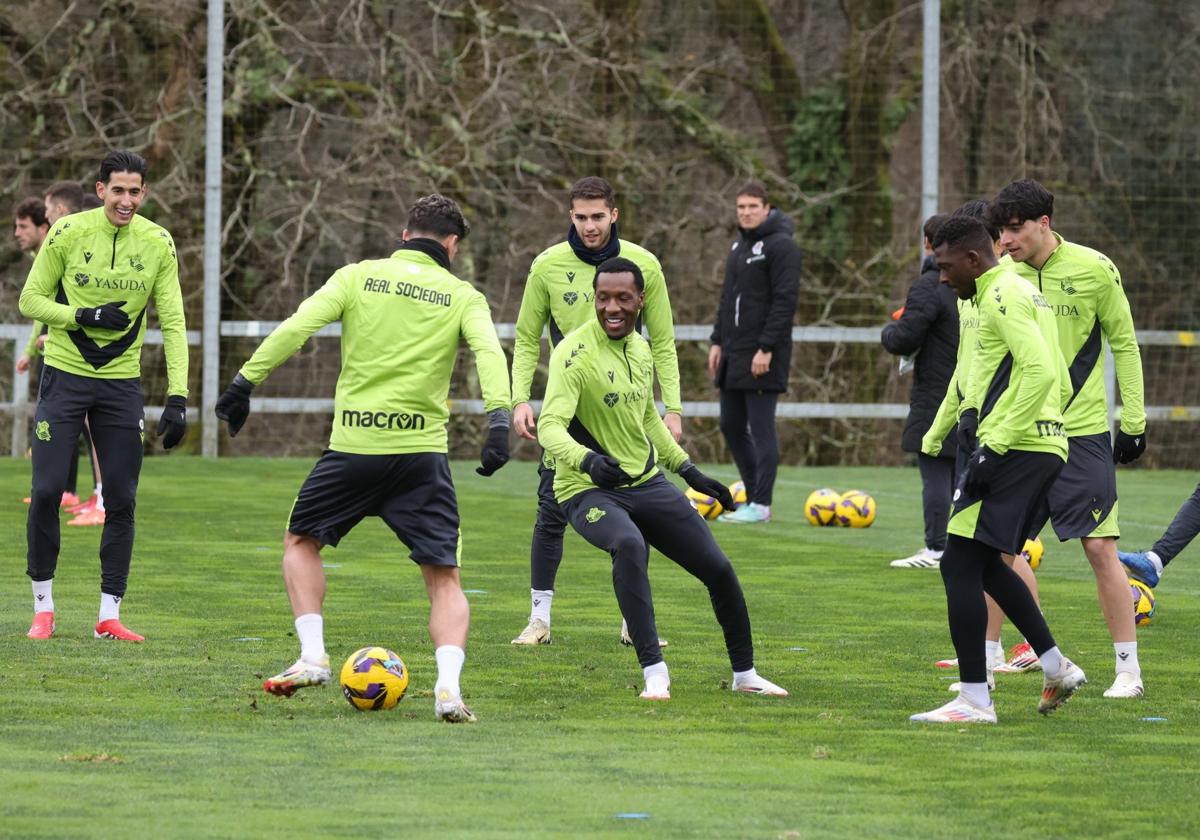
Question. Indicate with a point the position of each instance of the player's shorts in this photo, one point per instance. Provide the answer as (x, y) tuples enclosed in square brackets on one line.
[(1083, 501), (413, 493), (1003, 518)]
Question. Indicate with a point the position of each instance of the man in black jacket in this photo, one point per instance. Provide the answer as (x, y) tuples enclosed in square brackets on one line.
[(928, 328), (752, 344)]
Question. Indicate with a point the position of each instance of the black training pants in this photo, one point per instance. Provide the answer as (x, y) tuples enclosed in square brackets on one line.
[(937, 486), (113, 408), (546, 551), (748, 424), (629, 521)]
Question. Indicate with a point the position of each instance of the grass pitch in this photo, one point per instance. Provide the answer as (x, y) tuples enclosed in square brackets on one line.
[(175, 737)]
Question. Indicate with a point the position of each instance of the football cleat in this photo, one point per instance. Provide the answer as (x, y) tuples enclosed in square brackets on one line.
[(68, 500), (627, 640), (749, 513), (926, 558), (536, 632), (83, 506), (94, 516), (302, 674), (658, 688), (1139, 566), (947, 663), (451, 709), (758, 685), (43, 625), (958, 710), (112, 628), (1057, 690), (1020, 659), (1125, 685)]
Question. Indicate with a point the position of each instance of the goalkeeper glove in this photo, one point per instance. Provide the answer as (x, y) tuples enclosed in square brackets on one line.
[(173, 423), (233, 406), (107, 316), (605, 471), (701, 483)]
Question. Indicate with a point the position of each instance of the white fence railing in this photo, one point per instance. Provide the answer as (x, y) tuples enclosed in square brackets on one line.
[(20, 409)]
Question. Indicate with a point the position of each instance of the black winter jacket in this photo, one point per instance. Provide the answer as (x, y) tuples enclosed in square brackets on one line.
[(758, 303), (929, 328)]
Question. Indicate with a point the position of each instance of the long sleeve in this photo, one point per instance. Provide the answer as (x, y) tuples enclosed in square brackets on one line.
[(669, 453), (480, 334), (531, 321), (563, 389), (37, 299), (784, 268), (945, 419), (31, 347), (323, 307), (661, 327), (722, 304), (1117, 322), (168, 301), (907, 335)]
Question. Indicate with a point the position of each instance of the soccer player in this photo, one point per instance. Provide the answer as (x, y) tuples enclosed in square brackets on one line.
[(92, 283), (1148, 566), (1021, 657), (402, 319), (1084, 290), (557, 297), (600, 424), (30, 226), (1018, 383)]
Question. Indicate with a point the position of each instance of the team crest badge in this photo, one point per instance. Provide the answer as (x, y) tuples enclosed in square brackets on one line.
[(594, 515)]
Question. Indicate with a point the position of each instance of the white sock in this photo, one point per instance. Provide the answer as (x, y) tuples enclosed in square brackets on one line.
[(995, 653), (740, 677), (99, 494), (1127, 660), (43, 600), (1052, 662), (310, 629), (977, 693), (539, 600), (658, 669), (110, 606), (450, 660), (934, 553), (1155, 561)]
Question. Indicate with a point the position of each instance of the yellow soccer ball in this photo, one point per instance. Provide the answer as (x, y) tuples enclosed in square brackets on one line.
[(855, 509), (1143, 602), (705, 505), (820, 508), (374, 678), (738, 491), (1033, 551)]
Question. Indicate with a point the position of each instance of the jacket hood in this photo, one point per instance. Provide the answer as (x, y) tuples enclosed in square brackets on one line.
[(776, 222), (928, 264)]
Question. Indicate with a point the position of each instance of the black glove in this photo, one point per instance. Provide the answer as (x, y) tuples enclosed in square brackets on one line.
[(967, 435), (108, 316), (173, 422), (495, 451), (233, 406), (605, 471), (980, 472), (1127, 448), (701, 483)]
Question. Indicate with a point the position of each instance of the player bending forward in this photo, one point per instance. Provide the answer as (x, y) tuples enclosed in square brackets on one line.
[(600, 424), (402, 318)]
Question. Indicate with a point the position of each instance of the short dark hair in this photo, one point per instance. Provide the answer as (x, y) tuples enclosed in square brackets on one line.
[(1021, 200), (437, 215), (67, 192), (961, 231), (591, 188), (32, 208), (122, 160), (932, 224), (977, 208), (754, 189), (620, 265), (90, 201)]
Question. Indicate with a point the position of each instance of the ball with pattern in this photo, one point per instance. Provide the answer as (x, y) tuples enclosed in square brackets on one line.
[(1033, 551), (855, 509), (705, 505), (820, 508), (1143, 602), (738, 491), (374, 678)]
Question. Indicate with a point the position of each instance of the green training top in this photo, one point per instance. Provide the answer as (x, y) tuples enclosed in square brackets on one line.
[(1084, 290), (86, 261), (559, 292), (1018, 382), (947, 413), (402, 318), (31, 348), (600, 397)]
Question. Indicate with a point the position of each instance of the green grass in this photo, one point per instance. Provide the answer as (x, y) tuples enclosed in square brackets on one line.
[(175, 737)]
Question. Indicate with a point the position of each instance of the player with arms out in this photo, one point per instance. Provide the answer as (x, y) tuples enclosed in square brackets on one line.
[(402, 319), (1085, 292), (92, 284), (556, 297), (1018, 384), (600, 424)]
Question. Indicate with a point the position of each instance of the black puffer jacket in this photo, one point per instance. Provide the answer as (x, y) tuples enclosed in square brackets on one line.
[(758, 303), (929, 328)]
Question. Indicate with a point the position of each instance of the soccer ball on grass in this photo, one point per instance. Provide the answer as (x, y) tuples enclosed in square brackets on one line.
[(1143, 602), (855, 509), (820, 508), (1033, 551), (374, 678)]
